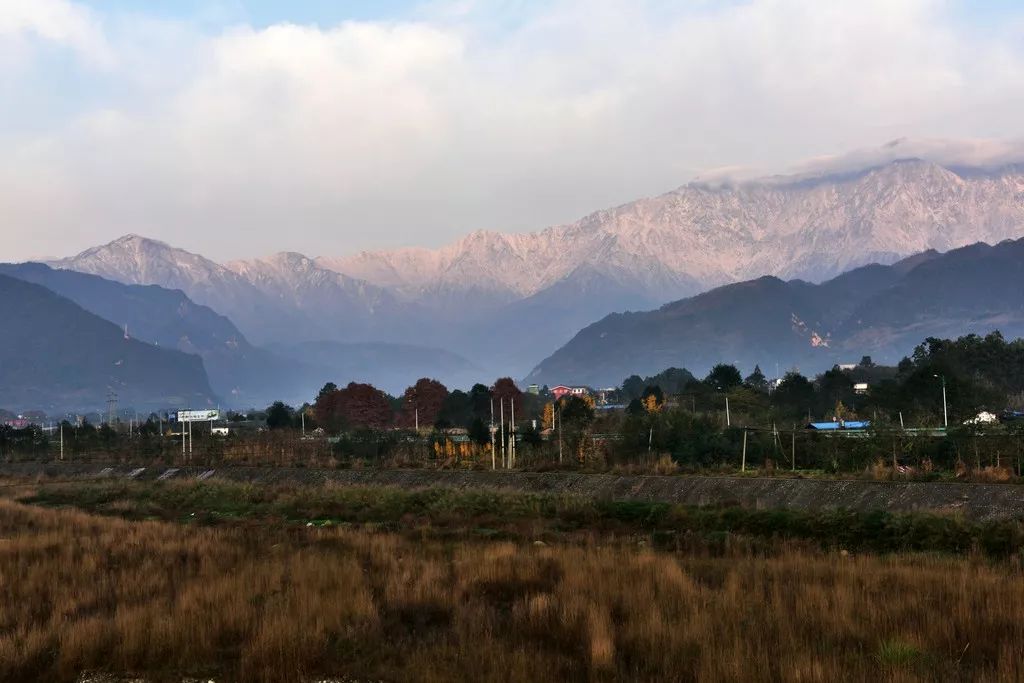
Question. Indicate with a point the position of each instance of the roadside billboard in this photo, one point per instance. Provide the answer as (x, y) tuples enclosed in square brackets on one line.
[(198, 415)]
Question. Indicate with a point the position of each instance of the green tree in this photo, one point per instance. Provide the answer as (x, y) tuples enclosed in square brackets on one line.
[(756, 380), (794, 395), (633, 387), (724, 376), (456, 411), (279, 416)]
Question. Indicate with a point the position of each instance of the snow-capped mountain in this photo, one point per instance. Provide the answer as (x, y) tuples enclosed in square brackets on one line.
[(284, 296), (137, 260), (518, 297), (701, 235)]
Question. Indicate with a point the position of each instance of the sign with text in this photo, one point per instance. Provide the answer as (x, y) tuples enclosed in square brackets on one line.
[(198, 415)]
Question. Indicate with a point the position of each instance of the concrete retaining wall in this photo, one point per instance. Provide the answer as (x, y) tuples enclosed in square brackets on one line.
[(979, 501)]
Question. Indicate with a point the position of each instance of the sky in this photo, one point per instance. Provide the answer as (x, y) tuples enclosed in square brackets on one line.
[(241, 128)]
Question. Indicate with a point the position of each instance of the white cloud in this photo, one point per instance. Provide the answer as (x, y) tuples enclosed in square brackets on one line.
[(329, 139), (56, 21)]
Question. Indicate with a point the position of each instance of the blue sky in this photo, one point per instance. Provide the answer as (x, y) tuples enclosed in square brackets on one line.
[(261, 12), (239, 128)]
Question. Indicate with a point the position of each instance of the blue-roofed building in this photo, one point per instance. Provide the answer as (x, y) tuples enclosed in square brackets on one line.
[(842, 425)]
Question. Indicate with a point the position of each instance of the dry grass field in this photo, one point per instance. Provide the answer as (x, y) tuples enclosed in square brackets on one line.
[(266, 600)]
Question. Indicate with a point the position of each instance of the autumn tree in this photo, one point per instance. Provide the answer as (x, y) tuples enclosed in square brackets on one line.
[(505, 389), (327, 408), (328, 388), (357, 405), (548, 421), (652, 398), (574, 419), (425, 398)]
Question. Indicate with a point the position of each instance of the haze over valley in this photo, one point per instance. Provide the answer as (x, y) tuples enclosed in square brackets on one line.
[(504, 302)]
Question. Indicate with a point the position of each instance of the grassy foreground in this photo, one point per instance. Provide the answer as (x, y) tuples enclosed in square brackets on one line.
[(229, 582), (529, 516)]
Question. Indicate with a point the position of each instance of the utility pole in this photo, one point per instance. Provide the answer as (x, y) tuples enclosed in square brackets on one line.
[(792, 454), (111, 407), (728, 420), (501, 412), (558, 414), (302, 417), (181, 425), (945, 414), (512, 434), (417, 413), (494, 464), (62, 439), (743, 464)]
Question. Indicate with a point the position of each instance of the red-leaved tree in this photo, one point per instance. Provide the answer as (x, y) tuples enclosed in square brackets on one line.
[(427, 396), (355, 406)]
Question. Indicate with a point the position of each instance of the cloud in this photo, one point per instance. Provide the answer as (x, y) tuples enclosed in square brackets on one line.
[(970, 152), (364, 134), (55, 21)]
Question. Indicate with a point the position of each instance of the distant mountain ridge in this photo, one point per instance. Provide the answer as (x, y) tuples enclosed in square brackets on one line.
[(700, 235), (240, 373), (504, 300), (876, 310), (57, 356)]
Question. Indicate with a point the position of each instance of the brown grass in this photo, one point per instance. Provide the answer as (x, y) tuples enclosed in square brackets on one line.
[(259, 602)]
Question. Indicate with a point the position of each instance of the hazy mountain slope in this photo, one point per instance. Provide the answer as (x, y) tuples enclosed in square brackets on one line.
[(762, 320), (332, 305), (241, 374), (514, 332), (55, 355), (882, 311), (153, 314), (975, 289), (137, 260)]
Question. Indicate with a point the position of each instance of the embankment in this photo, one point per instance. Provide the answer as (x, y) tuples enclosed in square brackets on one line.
[(976, 501)]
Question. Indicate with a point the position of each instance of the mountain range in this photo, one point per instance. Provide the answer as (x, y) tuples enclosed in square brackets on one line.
[(55, 356), (877, 310), (700, 235), (491, 304), (240, 373), (505, 300)]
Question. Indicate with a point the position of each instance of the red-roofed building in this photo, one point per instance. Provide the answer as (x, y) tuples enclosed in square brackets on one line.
[(562, 390)]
